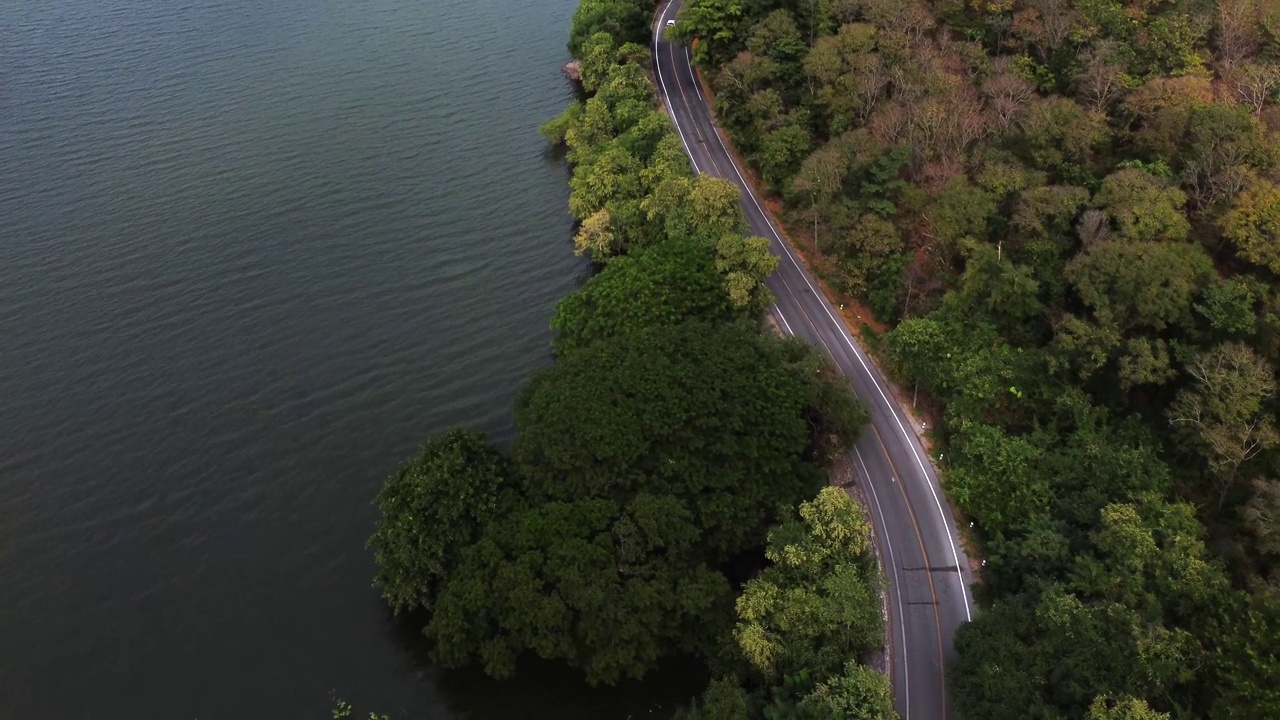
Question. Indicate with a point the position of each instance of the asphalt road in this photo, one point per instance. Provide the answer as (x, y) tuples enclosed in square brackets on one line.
[(925, 566)]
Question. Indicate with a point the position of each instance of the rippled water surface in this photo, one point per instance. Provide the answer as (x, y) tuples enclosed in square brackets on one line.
[(251, 254)]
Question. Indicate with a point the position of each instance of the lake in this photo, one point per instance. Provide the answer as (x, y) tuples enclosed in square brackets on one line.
[(251, 255)]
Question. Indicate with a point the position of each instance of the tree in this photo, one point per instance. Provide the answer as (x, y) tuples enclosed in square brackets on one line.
[(1149, 556), (1103, 79), (717, 26), (1163, 104), (709, 212), (1008, 92), (1170, 44), (743, 94), (343, 709), (1225, 408), (595, 237), (1255, 83), (1238, 31), (724, 699), (866, 248), (1050, 655), (782, 151), (1057, 130), (607, 587), (1253, 224), (432, 507), (614, 175), (1145, 361), (1046, 25), (860, 693), (836, 418), (1143, 207), (691, 393), (942, 129), (555, 131), (777, 37), (847, 76), (596, 55), (1146, 284), (1094, 462), (1218, 148), (995, 478), (1048, 213), (1242, 632), (817, 605), (967, 365), (959, 210), (1229, 305), (624, 20), (667, 284), (746, 263), (1124, 708), (820, 178)]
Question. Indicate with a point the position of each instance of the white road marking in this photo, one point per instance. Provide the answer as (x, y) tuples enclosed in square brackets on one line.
[(778, 311), (696, 85)]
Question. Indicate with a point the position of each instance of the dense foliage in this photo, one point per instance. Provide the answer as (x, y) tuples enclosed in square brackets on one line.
[(435, 505), (1068, 211), (802, 620), (672, 439)]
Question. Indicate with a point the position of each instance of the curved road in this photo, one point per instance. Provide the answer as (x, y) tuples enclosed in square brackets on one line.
[(927, 572)]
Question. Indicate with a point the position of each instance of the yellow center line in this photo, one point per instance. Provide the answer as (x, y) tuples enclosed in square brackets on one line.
[(928, 569)]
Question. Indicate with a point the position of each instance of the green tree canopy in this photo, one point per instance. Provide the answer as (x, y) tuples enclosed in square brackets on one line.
[(1224, 409), (610, 588), (1141, 284), (717, 24), (1031, 658), (1143, 207), (817, 605), (666, 284), (434, 506), (624, 20), (1125, 708), (860, 693), (746, 263), (711, 416), (1253, 224)]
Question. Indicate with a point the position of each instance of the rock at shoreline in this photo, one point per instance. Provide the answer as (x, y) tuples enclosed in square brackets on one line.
[(573, 70)]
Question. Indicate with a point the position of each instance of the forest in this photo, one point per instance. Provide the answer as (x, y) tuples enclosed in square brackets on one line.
[(666, 492), (1064, 216)]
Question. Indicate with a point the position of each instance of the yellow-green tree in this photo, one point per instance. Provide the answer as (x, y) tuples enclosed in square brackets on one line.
[(817, 605), (1253, 224)]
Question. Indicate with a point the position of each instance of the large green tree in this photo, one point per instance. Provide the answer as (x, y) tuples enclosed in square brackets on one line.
[(704, 413), (666, 284), (608, 587), (816, 606), (432, 508)]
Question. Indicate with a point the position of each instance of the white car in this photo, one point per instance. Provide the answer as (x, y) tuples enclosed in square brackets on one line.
[(671, 23)]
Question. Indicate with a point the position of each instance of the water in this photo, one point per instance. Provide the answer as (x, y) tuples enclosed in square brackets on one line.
[(251, 254)]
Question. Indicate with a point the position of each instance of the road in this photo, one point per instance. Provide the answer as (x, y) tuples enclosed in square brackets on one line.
[(926, 570)]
